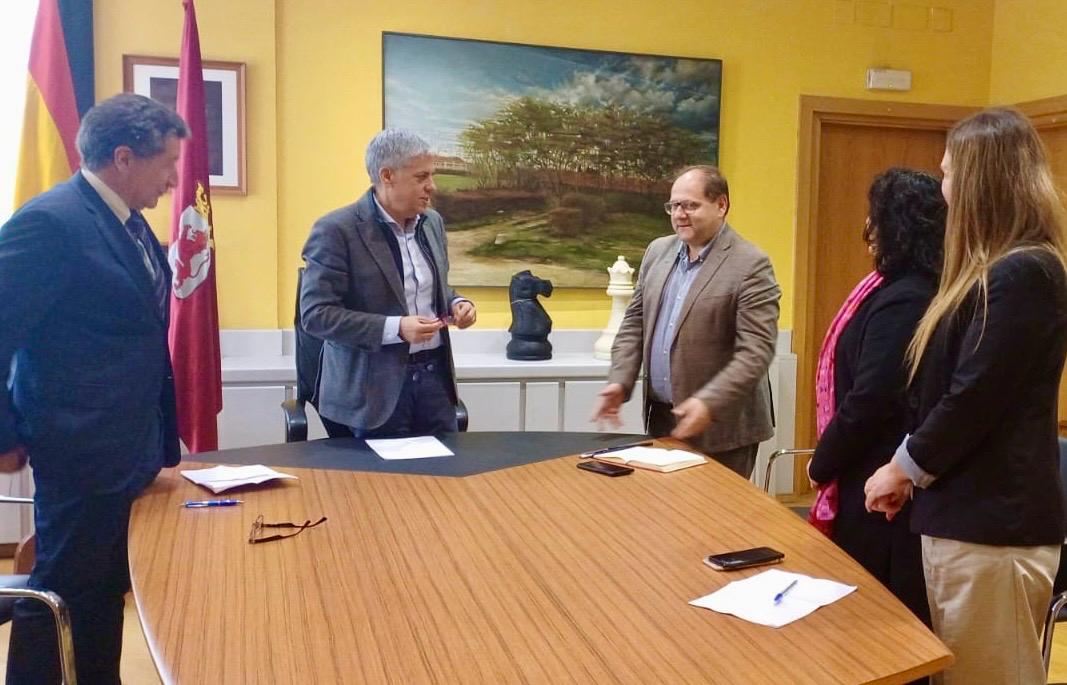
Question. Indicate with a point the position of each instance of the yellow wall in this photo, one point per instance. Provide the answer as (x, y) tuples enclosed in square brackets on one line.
[(314, 85), (1029, 54), (246, 235)]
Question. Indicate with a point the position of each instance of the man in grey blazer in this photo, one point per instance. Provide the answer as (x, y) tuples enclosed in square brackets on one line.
[(375, 290), (703, 322)]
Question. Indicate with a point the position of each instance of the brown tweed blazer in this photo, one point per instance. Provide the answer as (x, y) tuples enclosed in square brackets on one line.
[(724, 340)]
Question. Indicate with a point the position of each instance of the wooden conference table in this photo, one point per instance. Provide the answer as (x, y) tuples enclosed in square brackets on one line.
[(531, 571)]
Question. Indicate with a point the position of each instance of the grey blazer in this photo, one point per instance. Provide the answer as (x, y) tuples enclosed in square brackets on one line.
[(724, 341), (351, 284)]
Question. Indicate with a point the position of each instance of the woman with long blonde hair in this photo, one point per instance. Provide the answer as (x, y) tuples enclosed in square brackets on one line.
[(985, 364)]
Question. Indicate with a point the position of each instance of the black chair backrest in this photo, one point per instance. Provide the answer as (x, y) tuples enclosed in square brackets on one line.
[(308, 348)]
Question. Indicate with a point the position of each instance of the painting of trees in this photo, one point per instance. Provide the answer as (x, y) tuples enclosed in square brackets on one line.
[(556, 159), (531, 144)]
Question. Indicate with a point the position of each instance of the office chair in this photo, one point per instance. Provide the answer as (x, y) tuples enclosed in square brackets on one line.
[(21, 567), (1057, 610), (307, 352), (801, 511), (14, 587)]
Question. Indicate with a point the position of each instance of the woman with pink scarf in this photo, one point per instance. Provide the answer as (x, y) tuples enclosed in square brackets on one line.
[(861, 408)]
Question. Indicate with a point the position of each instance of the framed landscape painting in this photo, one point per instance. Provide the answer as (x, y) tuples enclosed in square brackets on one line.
[(551, 159)]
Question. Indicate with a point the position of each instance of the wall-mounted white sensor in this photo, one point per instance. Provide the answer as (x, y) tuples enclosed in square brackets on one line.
[(888, 79)]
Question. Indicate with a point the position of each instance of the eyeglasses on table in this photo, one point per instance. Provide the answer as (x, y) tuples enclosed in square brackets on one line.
[(258, 525)]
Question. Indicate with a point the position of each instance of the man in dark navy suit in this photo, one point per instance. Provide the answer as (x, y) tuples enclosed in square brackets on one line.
[(84, 297)]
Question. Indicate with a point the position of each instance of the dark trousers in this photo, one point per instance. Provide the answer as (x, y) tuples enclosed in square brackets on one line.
[(426, 405), (741, 460), (887, 549), (81, 556)]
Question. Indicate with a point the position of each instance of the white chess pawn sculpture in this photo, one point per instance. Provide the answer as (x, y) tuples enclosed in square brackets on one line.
[(621, 290)]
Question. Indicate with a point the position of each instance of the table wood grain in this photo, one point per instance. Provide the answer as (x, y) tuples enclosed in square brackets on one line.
[(540, 573)]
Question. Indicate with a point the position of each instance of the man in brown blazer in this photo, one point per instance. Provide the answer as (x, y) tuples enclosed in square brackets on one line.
[(703, 322)]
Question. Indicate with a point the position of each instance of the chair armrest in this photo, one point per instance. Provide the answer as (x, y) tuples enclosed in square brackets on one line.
[(462, 417), (296, 420), (62, 618), (773, 458), (1054, 615)]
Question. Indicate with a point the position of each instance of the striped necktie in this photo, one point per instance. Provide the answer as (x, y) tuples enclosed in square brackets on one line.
[(138, 229)]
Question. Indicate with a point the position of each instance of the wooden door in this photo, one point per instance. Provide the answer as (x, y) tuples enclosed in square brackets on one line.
[(850, 157), (844, 144), (1050, 118)]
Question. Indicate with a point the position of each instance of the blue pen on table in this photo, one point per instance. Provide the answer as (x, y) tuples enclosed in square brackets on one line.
[(780, 595), (212, 503)]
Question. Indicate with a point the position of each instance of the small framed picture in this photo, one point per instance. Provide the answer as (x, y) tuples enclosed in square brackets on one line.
[(224, 97)]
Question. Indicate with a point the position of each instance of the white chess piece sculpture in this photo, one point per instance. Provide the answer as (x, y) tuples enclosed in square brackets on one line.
[(621, 290)]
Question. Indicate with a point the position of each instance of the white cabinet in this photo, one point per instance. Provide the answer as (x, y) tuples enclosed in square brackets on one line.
[(559, 394), (251, 416), (542, 405), (492, 406), (16, 520), (580, 398), (543, 408)]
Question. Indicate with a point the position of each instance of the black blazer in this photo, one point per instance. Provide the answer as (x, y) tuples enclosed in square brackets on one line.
[(986, 410), (871, 415)]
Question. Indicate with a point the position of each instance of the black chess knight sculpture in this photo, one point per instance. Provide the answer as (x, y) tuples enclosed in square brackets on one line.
[(530, 323)]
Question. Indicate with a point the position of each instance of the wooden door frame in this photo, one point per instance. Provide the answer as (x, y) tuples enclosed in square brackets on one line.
[(815, 111), (1045, 112), (1048, 113)]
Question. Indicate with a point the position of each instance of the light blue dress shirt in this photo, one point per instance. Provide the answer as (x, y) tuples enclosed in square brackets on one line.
[(683, 273)]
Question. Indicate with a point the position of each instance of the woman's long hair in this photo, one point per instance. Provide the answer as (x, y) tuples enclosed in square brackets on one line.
[(1002, 199)]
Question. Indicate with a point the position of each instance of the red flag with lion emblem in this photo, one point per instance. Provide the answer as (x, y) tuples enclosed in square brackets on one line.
[(194, 313)]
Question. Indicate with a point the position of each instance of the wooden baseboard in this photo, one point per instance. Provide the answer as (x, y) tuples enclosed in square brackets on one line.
[(7, 550)]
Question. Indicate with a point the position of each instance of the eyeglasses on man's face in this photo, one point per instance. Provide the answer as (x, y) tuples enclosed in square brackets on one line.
[(686, 206), (258, 525)]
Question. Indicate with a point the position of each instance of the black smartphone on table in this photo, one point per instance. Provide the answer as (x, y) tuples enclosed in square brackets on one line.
[(745, 558), (605, 469)]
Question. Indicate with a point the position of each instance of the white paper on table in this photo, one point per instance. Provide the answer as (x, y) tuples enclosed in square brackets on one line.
[(409, 448), (219, 478), (753, 598)]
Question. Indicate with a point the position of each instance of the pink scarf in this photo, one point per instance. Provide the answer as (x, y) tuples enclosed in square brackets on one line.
[(824, 510)]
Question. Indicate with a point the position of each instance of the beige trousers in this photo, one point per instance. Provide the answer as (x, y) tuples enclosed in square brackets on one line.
[(988, 606)]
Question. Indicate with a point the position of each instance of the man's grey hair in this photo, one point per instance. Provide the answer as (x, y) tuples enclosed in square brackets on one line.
[(139, 123), (393, 148)]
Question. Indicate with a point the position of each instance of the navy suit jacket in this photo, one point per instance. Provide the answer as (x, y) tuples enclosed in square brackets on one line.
[(90, 392)]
